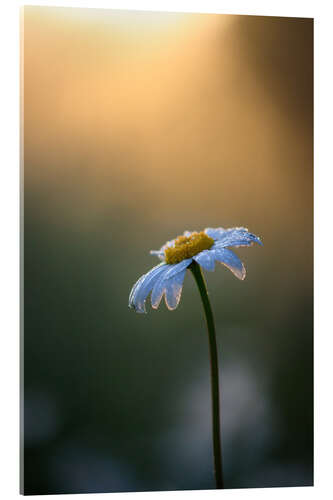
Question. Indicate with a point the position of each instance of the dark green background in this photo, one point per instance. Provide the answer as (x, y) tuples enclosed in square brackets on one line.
[(116, 401)]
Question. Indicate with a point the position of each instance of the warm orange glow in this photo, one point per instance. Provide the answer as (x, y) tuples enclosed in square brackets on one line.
[(130, 22), (167, 112)]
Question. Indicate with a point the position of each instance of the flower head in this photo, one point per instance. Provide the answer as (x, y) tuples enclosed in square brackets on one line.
[(176, 255)]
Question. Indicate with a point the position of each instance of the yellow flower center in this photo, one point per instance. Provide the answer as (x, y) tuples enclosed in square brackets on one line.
[(187, 246)]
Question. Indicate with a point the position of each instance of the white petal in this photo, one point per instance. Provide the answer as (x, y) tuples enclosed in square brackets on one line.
[(215, 233), (143, 286), (236, 237), (206, 259), (177, 268), (231, 261), (157, 292), (173, 290), (158, 253), (169, 281)]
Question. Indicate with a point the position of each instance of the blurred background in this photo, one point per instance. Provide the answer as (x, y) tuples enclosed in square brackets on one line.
[(138, 126)]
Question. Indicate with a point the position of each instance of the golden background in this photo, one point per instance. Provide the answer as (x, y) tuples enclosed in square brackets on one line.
[(137, 126)]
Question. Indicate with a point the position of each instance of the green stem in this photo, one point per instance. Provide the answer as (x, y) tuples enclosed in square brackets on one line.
[(214, 372)]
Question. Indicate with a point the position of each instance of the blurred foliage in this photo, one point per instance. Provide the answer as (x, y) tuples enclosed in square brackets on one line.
[(116, 401)]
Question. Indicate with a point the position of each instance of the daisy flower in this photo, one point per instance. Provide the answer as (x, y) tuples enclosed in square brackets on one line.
[(195, 250), (204, 247)]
